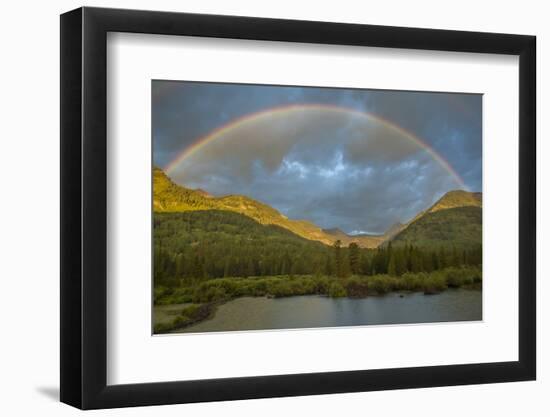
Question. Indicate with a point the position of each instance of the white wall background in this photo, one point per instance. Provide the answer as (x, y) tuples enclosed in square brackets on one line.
[(29, 225)]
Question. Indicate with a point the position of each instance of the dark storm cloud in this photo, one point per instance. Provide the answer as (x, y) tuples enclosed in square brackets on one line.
[(335, 169)]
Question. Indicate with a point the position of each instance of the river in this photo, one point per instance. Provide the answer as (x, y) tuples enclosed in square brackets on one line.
[(261, 313)]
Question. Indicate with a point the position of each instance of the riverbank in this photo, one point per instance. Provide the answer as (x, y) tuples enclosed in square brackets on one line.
[(200, 301)]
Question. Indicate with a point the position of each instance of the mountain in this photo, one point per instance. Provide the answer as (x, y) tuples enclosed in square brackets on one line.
[(457, 198), (363, 240), (170, 197), (338, 234), (451, 199), (454, 220), (203, 193), (393, 230)]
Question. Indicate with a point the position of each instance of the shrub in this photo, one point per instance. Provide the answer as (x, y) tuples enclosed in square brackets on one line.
[(434, 284), (379, 284), (477, 278), (162, 328), (393, 283), (215, 294), (180, 321), (243, 288), (259, 288), (413, 282), (357, 287), (208, 292), (190, 310), (280, 289), (475, 274), (297, 287), (336, 290), (457, 277), (454, 277), (322, 285), (309, 285), (173, 296), (159, 292), (228, 285)]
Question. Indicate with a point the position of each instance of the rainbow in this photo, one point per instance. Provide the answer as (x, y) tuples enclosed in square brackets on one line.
[(277, 112)]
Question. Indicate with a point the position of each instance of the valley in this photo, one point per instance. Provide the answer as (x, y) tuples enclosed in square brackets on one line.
[(211, 250)]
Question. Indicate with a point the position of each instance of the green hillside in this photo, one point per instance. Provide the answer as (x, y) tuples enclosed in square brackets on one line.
[(458, 226), (214, 243), (457, 198), (453, 219), (170, 197), (193, 246)]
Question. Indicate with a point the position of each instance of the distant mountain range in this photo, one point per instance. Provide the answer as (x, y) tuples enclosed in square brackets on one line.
[(455, 219)]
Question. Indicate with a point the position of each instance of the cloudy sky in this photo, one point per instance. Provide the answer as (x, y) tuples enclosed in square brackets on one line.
[(345, 158)]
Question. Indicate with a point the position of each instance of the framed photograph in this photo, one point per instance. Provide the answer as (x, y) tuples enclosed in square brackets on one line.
[(257, 208)]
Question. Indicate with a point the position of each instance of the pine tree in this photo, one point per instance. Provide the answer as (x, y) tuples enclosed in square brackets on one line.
[(226, 269), (329, 270), (427, 262), (416, 261), (346, 269), (365, 266), (435, 261), (409, 254), (391, 266), (456, 257), (379, 262), (400, 263), (180, 266), (338, 257), (442, 258), (251, 270), (386, 254), (354, 258)]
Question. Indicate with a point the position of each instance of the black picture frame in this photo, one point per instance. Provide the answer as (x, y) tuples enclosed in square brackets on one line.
[(84, 207)]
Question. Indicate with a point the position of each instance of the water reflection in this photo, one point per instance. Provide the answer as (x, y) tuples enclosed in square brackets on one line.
[(249, 313)]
